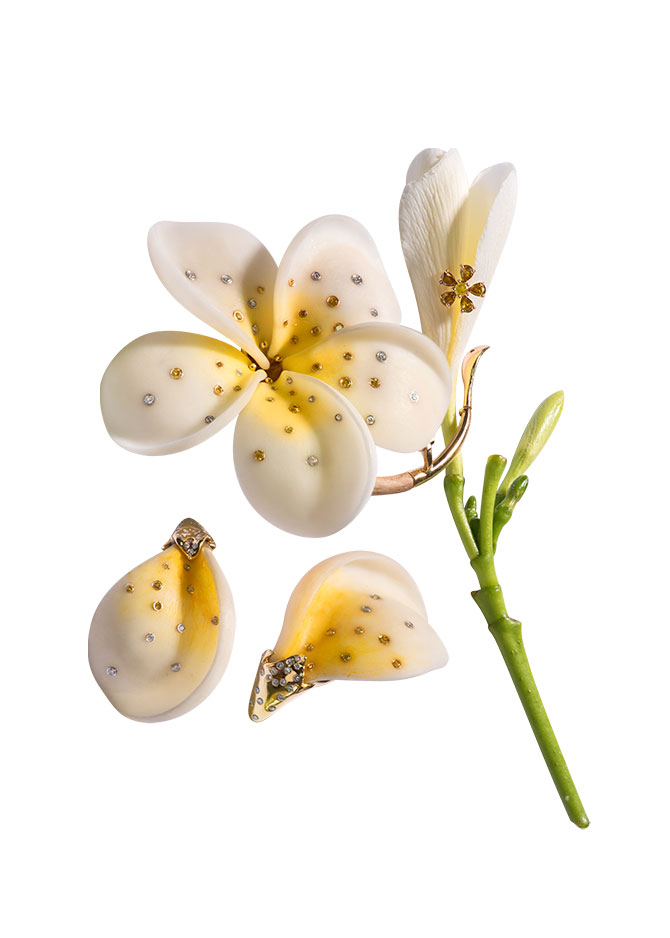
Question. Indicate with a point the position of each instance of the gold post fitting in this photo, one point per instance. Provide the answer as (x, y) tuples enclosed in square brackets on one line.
[(276, 682), (190, 537), (404, 481)]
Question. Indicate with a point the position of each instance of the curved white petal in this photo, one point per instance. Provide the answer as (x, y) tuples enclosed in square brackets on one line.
[(303, 456), (156, 647), (488, 214), (359, 616), (436, 189), (167, 391), (395, 377), (220, 273), (318, 288)]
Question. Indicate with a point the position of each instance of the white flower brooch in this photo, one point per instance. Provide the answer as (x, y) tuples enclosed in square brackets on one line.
[(323, 371)]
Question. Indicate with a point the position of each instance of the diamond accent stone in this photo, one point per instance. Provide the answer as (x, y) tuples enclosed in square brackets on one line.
[(316, 275), (254, 328), (190, 274), (338, 417), (370, 420), (381, 356), (209, 418), (175, 667), (149, 399), (356, 278), (312, 461), (112, 671), (181, 627), (226, 278), (251, 304), (414, 397), (374, 312), (149, 637)]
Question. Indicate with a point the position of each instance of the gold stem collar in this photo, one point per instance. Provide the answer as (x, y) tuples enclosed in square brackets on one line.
[(404, 481)]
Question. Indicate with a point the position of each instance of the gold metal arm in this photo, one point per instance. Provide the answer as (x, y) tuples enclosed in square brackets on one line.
[(404, 481)]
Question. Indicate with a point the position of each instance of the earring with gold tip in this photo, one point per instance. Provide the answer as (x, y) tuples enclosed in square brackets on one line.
[(161, 638), (356, 616)]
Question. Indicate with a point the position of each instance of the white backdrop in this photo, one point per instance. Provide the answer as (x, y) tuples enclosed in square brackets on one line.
[(420, 807)]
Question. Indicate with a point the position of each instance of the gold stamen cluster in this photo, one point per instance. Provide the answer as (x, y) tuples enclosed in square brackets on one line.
[(459, 289)]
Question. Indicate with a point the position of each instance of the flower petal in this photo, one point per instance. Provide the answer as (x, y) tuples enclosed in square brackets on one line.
[(303, 456), (359, 616), (156, 655), (436, 189), (159, 393), (220, 273), (331, 275), (396, 378), (484, 226)]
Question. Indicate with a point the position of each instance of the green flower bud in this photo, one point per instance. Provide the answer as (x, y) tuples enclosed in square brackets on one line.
[(540, 427)]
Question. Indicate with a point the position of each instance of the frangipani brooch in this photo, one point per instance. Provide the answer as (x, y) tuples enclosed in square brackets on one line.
[(323, 371)]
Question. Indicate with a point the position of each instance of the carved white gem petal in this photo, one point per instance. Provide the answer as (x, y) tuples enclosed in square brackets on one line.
[(325, 622), (276, 468), (336, 248), (137, 676), (214, 270), (178, 416), (389, 372)]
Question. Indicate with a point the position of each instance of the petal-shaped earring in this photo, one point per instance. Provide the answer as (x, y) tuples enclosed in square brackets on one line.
[(161, 638), (356, 616)]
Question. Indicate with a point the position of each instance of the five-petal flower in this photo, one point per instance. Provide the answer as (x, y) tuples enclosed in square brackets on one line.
[(323, 371)]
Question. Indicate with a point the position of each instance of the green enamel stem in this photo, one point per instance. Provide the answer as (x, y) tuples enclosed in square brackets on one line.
[(495, 466), (507, 634), (453, 487), (449, 427)]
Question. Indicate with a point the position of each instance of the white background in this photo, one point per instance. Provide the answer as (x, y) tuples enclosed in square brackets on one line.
[(409, 808)]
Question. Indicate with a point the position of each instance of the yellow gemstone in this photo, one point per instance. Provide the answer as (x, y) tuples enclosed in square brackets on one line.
[(375, 383), (176, 373), (359, 630), (309, 647), (239, 315), (302, 313), (237, 388), (259, 455), (317, 366), (291, 282), (295, 339), (448, 299), (288, 429), (397, 663), (130, 588), (157, 585), (261, 289), (477, 289), (219, 364), (461, 289), (252, 366), (347, 356), (294, 408), (384, 639), (466, 271), (315, 330), (466, 304), (448, 279), (264, 345), (157, 606), (345, 382), (345, 656), (218, 389), (332, 301), (330, 631)]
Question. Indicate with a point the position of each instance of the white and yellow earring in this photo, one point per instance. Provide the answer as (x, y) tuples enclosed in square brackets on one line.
[(356, 616), (161, 638)]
